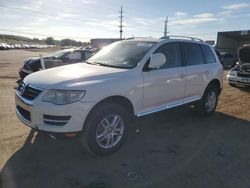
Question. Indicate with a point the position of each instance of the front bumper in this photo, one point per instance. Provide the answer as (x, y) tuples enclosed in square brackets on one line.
[(244, 81), (49, 117)]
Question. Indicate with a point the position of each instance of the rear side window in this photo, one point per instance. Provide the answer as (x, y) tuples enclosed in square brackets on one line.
[(172, 54), (192, 53), (208, 54), (74, 56)]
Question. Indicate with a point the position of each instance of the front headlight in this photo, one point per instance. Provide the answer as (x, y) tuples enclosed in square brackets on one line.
[(232, 73), (63, 96)]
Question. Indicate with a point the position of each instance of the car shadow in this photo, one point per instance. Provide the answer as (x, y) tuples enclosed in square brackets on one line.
[(243, 88), (174, 148)]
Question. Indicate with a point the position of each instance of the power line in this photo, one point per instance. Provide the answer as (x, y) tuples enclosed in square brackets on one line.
[(166, 27)]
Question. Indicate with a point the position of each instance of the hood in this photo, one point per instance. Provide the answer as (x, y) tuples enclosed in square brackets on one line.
[(244, 54), (73, 76), (31, 60), (32, 64)]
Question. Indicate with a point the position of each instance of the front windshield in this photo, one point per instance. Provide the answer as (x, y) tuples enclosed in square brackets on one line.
[(58, 54), (123, 54)]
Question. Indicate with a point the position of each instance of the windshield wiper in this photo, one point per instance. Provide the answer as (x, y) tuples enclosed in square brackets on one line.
[(92, 63), (105, 65)]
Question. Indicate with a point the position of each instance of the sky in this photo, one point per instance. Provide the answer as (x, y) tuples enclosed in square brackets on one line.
[(86, 19)]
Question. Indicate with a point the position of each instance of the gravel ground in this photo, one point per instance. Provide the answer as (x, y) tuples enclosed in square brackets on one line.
[(175, 148)]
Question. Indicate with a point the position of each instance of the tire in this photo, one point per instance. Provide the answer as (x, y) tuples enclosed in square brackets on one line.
[(207, 105), (99, 123)]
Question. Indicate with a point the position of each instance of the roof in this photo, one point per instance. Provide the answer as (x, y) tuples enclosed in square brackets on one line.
[(144, 39), (237, 35), (176, 38)]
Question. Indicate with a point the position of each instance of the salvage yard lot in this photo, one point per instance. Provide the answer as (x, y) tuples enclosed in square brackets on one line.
[(175, 148)]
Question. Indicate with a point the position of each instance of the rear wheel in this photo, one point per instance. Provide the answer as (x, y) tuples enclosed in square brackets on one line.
[(105, 129), (207, 105)]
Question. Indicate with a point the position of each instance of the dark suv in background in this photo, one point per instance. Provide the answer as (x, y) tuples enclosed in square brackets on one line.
[(59, 58)]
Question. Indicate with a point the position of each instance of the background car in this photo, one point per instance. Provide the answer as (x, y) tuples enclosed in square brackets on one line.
[(240, 74), (4, 46), (59, 58)]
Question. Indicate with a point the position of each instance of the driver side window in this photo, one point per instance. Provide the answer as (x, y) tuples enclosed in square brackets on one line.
[(172, 54)]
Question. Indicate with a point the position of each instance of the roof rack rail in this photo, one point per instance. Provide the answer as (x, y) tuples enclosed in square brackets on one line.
[(182, 37), (138, 38)]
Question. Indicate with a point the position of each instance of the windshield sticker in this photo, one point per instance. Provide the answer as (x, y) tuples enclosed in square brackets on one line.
[(144, 44)]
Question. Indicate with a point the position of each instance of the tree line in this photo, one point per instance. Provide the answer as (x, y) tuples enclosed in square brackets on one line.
[(64, 42), (14, 39)]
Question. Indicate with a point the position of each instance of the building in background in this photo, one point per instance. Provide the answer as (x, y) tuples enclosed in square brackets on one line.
[(229, 41), (101, 42), (211, 42)]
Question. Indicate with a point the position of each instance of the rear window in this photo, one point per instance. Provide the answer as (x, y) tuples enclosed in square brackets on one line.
[(192, 54), (208, 54)]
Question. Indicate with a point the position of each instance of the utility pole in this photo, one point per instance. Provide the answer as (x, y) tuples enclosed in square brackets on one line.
[(121, 19), (166, 27)]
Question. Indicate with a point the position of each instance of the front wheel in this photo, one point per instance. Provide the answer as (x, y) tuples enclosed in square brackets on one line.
[(207, 105), (105, 129)]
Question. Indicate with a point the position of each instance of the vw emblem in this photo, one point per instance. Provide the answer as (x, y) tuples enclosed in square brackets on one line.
[(22, 89)]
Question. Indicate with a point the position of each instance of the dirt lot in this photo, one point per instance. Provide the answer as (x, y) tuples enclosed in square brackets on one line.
[(176, 148)]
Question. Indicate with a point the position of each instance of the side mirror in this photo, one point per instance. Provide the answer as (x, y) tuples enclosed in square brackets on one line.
[(157, 60)]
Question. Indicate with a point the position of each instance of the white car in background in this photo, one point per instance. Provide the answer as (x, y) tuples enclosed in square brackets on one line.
[(240, 74), (128, 78)]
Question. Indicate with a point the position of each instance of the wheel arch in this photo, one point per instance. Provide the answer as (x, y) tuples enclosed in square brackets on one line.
[(116, 99), (216, 83)]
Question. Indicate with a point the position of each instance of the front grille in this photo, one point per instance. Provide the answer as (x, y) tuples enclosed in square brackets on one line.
[(28, 92), (244, 74), (55, 120), (24, 113)]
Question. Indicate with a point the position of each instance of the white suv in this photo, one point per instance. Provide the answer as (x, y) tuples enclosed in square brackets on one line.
[(128, 78)]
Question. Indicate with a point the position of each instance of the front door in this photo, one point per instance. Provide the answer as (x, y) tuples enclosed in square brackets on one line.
[(164, 87)]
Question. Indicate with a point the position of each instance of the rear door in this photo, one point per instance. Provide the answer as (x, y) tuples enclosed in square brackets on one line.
[(196, 71)]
